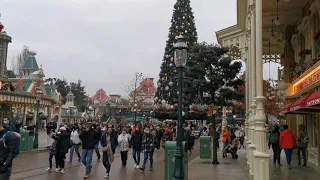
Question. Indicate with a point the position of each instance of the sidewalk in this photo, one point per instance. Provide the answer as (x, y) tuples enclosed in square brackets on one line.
[(231, 169), (228, 169)]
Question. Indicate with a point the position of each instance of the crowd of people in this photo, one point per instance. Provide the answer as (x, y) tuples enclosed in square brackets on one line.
[(141, 138)]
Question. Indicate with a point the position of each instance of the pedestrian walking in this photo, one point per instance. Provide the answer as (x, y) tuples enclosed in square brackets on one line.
[(8, 150), (159, 134), (148, 146), (96, 127), (124, 143), (226, 136), (75, 139), (87, 137), (62, 147), (287, 142), (52, 153), (136, 142), (302, 144), (51, 127), (274, 141), (107, 156)]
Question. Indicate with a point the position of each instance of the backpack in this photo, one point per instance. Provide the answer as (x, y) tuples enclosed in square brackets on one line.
[(305, 139), (274, 138), (17, 138)]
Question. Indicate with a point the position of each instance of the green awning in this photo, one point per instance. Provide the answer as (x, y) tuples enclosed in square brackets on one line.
[(132, 119)]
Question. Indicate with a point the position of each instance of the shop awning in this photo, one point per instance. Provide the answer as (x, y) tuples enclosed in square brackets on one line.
[(297, 105), (313, 101), (285, 109)]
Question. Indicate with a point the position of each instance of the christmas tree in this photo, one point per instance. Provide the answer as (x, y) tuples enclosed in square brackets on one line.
[(182, 24)]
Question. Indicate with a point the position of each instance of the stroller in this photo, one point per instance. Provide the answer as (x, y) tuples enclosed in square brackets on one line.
[(232, 149)]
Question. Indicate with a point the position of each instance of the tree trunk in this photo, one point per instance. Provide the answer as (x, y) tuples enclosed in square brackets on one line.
[(214, 142)]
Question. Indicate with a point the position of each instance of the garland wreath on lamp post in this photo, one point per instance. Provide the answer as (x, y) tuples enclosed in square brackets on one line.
[(7, 86), (161, 111), (198, 112)]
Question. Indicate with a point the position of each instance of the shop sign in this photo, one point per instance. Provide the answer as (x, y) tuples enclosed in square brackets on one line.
[(306, 81)]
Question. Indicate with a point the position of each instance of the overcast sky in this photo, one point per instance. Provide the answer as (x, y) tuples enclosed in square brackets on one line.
[(103, 42)]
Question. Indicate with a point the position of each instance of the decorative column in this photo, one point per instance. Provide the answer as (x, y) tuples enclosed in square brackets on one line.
[(252, 146), (224, 116), (261, 158)]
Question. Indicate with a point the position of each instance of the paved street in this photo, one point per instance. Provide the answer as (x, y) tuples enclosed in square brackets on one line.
[(32, 166)]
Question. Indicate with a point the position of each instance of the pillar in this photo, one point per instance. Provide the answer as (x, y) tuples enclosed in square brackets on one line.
[(252, 146), (224, 116), (261, 157)]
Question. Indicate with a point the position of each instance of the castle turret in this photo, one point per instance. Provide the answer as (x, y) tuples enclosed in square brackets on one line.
[(5, 39)]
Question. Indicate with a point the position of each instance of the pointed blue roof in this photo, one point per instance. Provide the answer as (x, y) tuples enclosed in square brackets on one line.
[(31, 62)]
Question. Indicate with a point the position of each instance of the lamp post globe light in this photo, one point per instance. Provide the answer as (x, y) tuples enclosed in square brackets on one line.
[(36, 138), (180, 59)]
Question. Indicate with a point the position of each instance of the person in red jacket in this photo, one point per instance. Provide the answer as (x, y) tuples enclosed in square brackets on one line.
[(287, 142)]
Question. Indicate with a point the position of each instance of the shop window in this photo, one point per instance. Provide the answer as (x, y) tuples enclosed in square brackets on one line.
[(314, 131)]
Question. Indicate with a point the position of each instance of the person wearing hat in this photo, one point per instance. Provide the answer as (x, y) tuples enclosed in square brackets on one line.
[(62, 147)]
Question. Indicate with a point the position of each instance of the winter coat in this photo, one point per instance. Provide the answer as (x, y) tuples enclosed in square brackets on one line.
[(148, 142), (88, 139), (301, 135), (63, 142), (75, 137), (136, 141), (106, 144), (7, 153), (225, 136), (124, 140), (287, 139)]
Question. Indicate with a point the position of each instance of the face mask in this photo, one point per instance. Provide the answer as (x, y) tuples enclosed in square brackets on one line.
[(5, 122), (123, 132), (146, 132), (137, 129)]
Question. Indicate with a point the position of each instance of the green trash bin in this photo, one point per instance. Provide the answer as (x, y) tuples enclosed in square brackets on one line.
[(170, 148), (30, 141), (205, 147), (24, 140)]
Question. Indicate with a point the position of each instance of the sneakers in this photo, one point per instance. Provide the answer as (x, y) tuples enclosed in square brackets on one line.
[(49, 169), (142, 168), (137, 166), (151, 168), (107, 175), (70, 162), (58, 169), (62, 171), (86, 175)]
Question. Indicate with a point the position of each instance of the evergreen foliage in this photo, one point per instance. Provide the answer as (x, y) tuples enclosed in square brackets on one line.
[(182, 24)]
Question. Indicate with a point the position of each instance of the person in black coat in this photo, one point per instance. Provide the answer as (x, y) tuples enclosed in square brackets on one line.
[(8, 144), (136, 143), (62, 147), (88, 137), (159, 134)]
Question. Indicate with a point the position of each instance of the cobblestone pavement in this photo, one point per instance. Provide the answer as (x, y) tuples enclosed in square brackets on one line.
[(32, 166)]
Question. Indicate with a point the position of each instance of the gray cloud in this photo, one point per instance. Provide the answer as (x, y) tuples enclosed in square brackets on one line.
[(103, 42)]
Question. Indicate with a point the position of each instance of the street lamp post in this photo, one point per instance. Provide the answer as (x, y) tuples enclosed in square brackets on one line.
[(135, 112), (36, 138), (180, 58)]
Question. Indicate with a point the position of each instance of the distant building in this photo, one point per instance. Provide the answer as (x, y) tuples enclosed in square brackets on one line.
[(145, 93), (69, 112)]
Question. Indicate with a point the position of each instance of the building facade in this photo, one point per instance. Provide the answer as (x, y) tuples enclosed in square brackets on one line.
[(17, 95), (285, 32)]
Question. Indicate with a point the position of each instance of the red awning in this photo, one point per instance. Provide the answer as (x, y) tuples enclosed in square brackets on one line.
[(313, 100), (285, 108), (298, 104)]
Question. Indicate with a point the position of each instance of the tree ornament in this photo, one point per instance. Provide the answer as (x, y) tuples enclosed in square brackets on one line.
[(177, 37), (163, 101), (171, 59), (159, 83), (170, 64), (170, 83), (167, 88)]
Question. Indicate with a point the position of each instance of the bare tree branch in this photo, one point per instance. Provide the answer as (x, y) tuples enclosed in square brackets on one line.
[(131, 89)]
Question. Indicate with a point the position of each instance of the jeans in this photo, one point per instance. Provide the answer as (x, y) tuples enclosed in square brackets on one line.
[(105, 162), (146, 154), (288, 153), (136, 156), (50, 161), (96, 147), (303, 150), (74, 147), (225, 144), (124, 157), (6, 175), (276, 153), (87, 158)]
